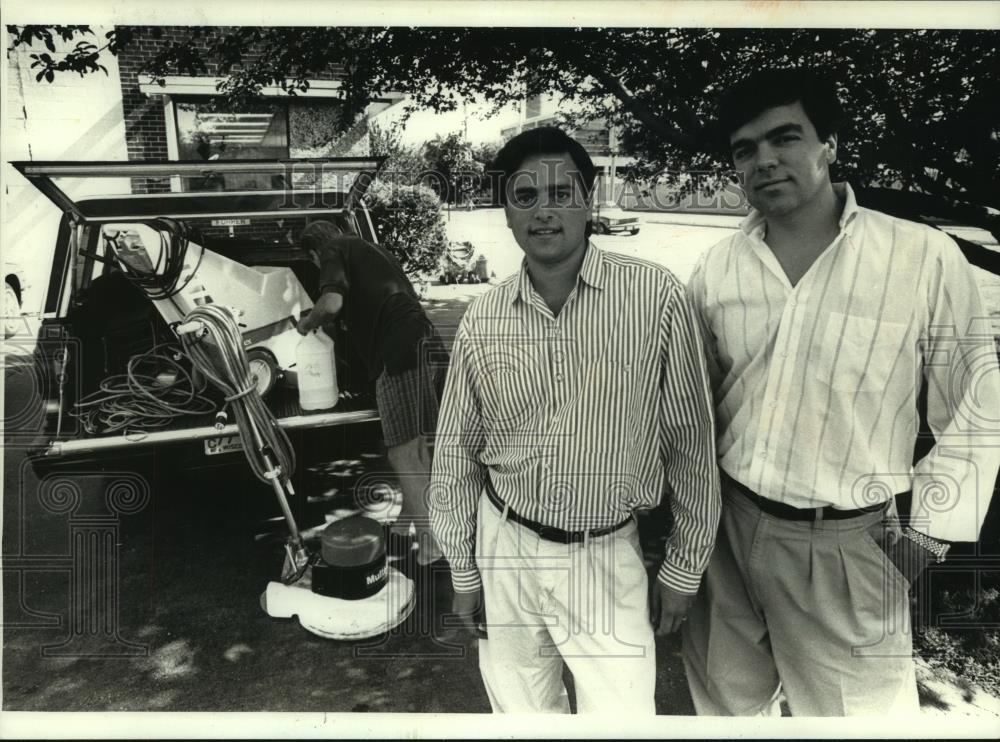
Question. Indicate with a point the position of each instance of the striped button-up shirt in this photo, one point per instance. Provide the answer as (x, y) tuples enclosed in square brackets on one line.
[(816, 384), (581, 418)]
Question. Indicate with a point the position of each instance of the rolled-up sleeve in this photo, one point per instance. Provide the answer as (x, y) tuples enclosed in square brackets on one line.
[(954, 482)]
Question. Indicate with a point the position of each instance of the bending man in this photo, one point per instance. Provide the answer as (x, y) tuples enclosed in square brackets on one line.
[(366, 287)]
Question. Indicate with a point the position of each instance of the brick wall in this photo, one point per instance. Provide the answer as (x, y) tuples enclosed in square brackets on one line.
[(145, 126)]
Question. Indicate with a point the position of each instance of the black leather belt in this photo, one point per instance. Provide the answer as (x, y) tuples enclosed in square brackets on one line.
[(787, 512), (550, 533)]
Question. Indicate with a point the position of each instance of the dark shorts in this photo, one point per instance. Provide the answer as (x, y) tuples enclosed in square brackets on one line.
[(408, 403)]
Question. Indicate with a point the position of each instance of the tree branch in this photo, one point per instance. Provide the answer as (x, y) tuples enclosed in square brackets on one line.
[(656, 124)]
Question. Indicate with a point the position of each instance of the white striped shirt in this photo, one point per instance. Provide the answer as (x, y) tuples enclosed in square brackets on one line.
[(582, 418), (816, 385)]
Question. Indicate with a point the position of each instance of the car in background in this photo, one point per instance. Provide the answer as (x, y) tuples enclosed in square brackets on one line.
[(609, 218)]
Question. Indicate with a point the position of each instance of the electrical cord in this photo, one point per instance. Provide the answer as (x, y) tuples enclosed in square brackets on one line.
[(211, 339), (140, 399), (217, 351), (161, 280)]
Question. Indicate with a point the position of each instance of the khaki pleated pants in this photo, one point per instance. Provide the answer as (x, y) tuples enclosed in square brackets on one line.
[(814, 609)]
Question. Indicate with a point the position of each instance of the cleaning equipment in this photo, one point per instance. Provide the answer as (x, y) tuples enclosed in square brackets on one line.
[(155, 389), (347, 590), (335, 618), (354, 593), (353, 559), (163, 258), (211, 339), (316, 371)]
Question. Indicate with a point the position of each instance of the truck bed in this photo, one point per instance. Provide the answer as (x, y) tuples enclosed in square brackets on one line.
[(282, 401)]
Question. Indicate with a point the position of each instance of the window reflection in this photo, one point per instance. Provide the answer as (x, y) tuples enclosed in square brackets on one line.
[(207, 132)]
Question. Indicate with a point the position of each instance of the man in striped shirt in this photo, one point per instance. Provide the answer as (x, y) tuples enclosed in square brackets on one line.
[(577, 393), (821, 320)]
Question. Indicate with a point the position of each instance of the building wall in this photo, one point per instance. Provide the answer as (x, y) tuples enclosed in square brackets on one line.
[(145, 128), (71, 118), (146, 125), (97, 117)]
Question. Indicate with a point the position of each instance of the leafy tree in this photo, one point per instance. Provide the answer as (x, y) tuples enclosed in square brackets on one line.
[(922, 140), (454, 172), (486, 153), (403, 164), (82, 59)]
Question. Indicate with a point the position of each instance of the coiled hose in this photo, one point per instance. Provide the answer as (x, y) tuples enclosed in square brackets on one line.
[(265, 444), (224, 362), (154, 390)]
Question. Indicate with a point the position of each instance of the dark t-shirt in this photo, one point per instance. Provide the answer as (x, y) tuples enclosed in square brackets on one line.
[(385, 322)]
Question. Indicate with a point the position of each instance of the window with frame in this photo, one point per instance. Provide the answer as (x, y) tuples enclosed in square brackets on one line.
[(269, 129)]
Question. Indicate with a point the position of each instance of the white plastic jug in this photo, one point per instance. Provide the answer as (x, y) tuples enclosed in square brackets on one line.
[(316, 369)]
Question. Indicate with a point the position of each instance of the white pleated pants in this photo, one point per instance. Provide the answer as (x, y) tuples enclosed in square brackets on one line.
[(585, 605)]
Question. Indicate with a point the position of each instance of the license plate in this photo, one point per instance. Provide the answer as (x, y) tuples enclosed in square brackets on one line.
[(223, 444)]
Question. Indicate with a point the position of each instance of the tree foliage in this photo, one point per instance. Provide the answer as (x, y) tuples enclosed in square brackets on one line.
[(403, 164), (82, 58), (456, 173), (448, 164), (922, 139), (409, 223)]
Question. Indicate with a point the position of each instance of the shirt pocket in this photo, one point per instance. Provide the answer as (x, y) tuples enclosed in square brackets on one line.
[(610, 378), (616, 402), (859, 354)]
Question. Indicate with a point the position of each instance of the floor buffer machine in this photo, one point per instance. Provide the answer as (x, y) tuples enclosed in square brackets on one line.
[(342, 587)]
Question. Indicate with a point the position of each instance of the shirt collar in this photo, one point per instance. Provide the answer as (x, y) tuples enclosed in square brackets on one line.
[(754, 223), (591, 273), (592, 269)]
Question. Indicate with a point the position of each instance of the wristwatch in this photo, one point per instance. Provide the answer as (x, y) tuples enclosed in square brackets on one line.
[(935, 547)]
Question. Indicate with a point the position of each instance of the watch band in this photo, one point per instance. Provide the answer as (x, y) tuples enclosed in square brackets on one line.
[(938, 548)]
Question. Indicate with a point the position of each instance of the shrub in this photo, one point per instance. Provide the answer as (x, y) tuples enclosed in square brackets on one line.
[(409, 224), (971, 647)]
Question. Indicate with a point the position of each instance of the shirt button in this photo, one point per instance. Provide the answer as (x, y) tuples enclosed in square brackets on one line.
[(557, 357), (559, 377)]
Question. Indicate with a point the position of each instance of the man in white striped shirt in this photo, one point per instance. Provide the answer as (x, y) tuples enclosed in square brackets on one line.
[(821, 320), (577, 393)]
